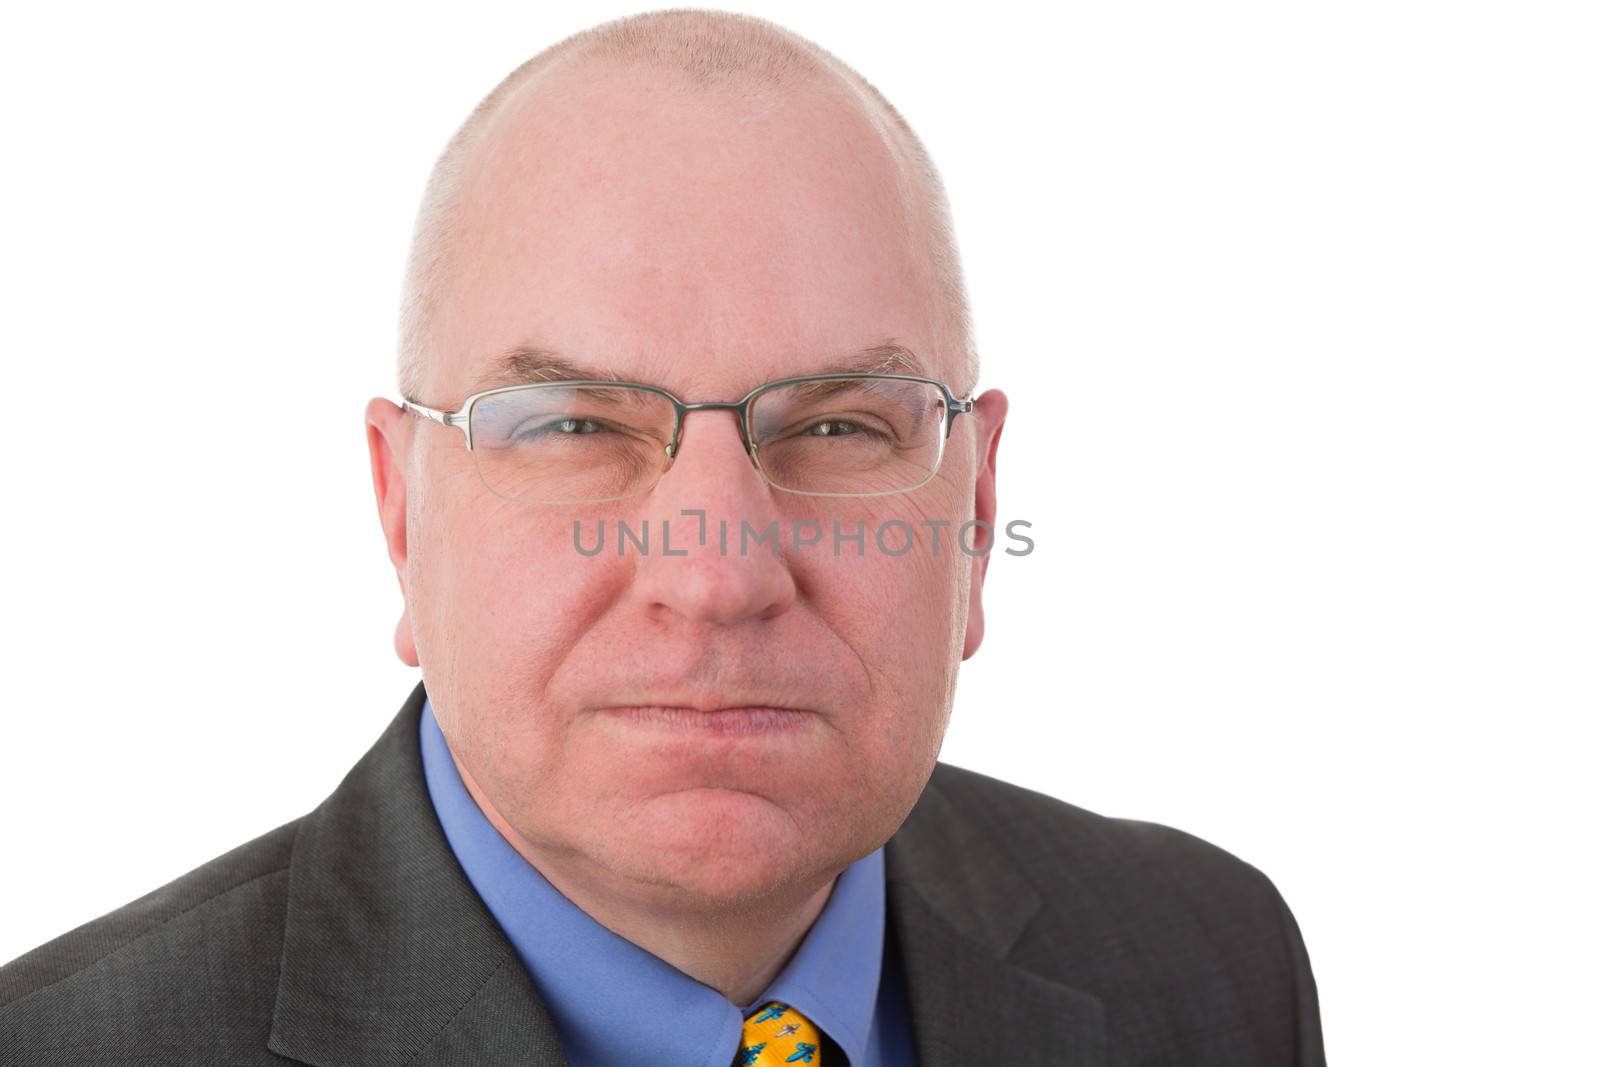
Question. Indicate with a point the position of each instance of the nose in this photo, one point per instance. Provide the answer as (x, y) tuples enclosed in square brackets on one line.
[(718, 571)]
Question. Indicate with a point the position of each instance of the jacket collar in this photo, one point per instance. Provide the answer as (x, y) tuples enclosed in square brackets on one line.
[(389, 956)]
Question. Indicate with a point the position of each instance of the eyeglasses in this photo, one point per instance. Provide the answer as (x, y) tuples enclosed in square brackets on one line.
[(583, 442)]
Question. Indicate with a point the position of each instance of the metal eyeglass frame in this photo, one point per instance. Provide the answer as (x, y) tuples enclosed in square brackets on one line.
[(461, 418)]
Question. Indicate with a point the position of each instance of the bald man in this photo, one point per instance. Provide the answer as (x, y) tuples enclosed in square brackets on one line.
[(675, 798)]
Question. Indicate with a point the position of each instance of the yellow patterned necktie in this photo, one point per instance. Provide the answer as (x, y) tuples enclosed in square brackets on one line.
[(778, 1034)]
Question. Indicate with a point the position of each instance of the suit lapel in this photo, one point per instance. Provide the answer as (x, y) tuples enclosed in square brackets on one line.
[(389, 956), (957, 904)]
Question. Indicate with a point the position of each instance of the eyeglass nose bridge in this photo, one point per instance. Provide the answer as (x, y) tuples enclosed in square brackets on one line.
[(740, 411)]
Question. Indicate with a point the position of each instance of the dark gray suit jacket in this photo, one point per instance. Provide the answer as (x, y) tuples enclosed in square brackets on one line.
[(1029, 931)]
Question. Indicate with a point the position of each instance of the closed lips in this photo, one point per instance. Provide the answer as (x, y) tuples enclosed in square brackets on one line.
[(735, 720)]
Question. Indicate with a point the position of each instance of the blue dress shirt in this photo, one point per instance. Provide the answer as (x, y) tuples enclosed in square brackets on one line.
[(600, 987)]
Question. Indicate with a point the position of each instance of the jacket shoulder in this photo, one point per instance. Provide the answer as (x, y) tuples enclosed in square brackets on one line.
[(1054, 840), (1192, 950), (203, 946)]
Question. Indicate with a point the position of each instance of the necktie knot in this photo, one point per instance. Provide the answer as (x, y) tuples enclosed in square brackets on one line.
[(778, 1034)]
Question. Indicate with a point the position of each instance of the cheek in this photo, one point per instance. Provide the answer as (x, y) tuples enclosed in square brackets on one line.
[(897, 614), (511, 577), (505, 598), (898, 596)]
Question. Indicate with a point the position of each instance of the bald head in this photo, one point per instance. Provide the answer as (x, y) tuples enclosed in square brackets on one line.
[(735, 59)]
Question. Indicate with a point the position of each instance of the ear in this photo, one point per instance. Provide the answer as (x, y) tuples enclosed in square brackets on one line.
[(387, 443), (989, 413)]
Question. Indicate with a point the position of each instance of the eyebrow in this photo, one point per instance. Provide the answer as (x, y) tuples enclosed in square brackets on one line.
[(527, 363)]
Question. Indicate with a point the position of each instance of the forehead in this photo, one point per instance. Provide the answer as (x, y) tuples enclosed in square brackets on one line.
[(699, 239)]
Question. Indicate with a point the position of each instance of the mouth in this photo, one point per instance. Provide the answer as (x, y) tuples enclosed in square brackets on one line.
[(721, 722)]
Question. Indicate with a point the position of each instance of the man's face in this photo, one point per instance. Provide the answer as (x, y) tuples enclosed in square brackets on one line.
[(705, 245)]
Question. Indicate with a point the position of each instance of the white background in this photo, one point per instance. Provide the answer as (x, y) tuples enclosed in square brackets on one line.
[(1297, 309)]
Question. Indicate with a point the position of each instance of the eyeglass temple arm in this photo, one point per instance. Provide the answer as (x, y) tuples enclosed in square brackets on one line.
[(957, 406), (443, 418)]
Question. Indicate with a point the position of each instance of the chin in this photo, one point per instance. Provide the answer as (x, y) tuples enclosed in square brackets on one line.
[(734, 851), (735, 884)]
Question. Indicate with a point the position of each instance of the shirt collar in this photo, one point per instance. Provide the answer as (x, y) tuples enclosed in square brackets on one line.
[(596, 984)]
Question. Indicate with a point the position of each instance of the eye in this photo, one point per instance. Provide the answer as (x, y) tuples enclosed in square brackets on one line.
[(570, 427), (836, 427), (575, 426), (832, 428)]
